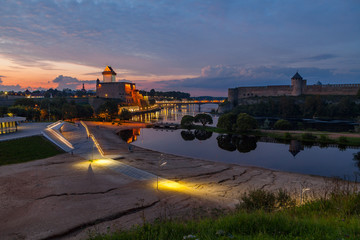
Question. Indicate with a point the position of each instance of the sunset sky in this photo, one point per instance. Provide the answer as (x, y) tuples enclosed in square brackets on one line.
[(201, 47)]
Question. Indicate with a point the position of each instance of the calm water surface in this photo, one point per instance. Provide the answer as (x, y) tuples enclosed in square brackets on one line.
[(291, 157), (294, 157)]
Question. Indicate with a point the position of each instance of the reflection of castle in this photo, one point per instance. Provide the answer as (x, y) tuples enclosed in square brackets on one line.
[(295, 147), (125, 91), (298, 87)]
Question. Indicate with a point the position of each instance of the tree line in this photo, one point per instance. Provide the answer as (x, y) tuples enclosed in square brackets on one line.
[(326, 107)]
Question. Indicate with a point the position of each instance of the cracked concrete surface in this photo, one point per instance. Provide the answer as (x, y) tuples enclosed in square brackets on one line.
[(66, 197)]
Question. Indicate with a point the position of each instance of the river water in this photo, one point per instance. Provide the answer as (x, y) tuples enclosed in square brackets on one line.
[(330, 161)]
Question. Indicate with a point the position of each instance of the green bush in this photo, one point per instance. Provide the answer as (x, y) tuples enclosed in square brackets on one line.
[(245, 122), (282, 124), (264, 200)]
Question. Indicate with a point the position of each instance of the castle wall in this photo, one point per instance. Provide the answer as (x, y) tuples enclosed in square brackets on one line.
[(333, 89), (246, 92), (118, 90)]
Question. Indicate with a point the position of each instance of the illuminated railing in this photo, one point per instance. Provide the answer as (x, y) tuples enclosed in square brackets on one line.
[(97, 145), (52, 132), (86, 128)]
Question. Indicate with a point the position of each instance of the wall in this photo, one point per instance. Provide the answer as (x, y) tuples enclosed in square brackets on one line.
[(334, 89)]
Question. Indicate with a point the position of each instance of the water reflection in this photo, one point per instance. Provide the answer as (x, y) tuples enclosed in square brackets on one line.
[(295, 147), (129, 135), (357, 159), (173, 114), (199, 134), (254, 151), (242, 143)]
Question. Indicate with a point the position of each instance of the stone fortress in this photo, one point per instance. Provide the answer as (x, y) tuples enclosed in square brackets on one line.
[(123, 91), (298, 87)]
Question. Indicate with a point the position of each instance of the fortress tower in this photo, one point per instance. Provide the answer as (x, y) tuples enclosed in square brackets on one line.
[(109, 74), (297, 84)]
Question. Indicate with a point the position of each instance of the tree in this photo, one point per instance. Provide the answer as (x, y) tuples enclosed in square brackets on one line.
[(203, 118), (69, 111), (245, 122), (28, 102), (227, 121), (125, 114), (108, 109), (282, 124), (187, 121)]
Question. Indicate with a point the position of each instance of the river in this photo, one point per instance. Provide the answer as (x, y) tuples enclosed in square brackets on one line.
[(330, 161)]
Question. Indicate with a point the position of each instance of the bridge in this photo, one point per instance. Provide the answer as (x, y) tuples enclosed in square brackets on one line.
[(180, 102)]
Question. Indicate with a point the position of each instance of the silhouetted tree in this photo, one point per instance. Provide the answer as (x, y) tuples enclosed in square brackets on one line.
[(187, 121), (203, 118)]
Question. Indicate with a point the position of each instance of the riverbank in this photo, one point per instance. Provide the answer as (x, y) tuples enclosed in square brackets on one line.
[(343, 139)]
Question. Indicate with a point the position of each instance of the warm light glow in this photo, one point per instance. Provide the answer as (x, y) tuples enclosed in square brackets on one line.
[(165, 184), (96, 163)]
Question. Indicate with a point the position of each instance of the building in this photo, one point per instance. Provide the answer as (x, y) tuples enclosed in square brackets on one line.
[(9, 124), (124, 91), (298, 87)]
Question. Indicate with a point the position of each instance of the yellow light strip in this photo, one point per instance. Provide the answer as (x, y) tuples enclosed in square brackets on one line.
[(97, 145), (86, 127), (61, 138)]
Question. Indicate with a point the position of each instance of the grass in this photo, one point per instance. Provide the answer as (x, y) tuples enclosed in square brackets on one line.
[(337, 217), (26, 149)]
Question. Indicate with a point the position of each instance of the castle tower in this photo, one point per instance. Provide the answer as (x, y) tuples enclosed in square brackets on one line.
[(296, 84), (109, 74)]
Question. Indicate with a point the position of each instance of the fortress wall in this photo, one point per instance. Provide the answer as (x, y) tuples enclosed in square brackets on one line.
[(334, 89), (245, 92), (110, 90)]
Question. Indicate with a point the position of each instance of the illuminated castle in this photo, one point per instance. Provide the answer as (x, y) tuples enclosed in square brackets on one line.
[(125, 91)]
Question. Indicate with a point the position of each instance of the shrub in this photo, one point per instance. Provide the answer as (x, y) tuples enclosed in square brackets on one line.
[(267, 201), (282, 124), (245, 122), (227, 121)]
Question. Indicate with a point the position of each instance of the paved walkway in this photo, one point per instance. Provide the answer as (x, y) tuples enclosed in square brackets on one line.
[(25, 130), (85, 147)]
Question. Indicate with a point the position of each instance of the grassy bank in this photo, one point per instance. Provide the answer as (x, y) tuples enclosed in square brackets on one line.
[(26, 149), (305, 136), (335, 218)]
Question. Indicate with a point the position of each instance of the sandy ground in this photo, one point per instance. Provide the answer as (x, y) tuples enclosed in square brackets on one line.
[(67, 197)]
